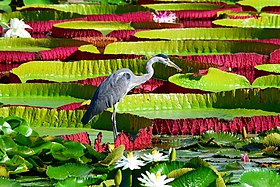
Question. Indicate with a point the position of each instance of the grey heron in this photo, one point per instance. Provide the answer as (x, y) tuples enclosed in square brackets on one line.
[(117, 85)]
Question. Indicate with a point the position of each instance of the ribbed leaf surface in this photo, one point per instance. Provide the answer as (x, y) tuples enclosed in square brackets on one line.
[(210, 34), (183, 6), (227, 105), (267, 81), (103, 27), (35, 45), (87, 9), (44, 95), (188, 47), (215, 81), (263, 21), (258, 5), (79, 70), (274, 68)]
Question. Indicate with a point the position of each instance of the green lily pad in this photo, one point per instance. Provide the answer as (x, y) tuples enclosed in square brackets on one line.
[(210, 34), (9, 182), (89, 9), (197, 1), (274, 68), (260, 4), (103, 27), (44, 95), (260, 177), (35, 45), (68, 170), (215, 81), (182, 6), (79, 70), (181, 47), (265, 20), (222, 138), (267, 82)]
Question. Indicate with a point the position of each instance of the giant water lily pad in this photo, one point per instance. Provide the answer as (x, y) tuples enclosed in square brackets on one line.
[(215, 80), (44, 95), (260, 4), (182, 6), (273, 68), (265, 20), (88, 9), (210, 34), (79, 70), (103, 27), (267, 81), (188, 47), (35, 45)]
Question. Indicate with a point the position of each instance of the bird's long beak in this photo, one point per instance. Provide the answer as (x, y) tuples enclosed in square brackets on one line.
[(172, 64)]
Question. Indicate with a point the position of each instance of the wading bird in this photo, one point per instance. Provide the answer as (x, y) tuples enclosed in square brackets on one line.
[(117, 85)]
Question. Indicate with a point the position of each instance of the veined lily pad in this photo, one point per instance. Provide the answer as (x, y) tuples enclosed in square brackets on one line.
[(35, 45), (182, 6), (38, 15), (44, 95), (215, 81), (87, 9), (260, 4), (274, 68), (210, 34), (259, 177), (197, 1), (225, 105), (267, 81), (79, 70), (188, 47), (103, 27), (265, 20)]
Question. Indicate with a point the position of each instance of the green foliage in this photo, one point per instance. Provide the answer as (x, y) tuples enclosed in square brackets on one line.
[(215, 80), (4, 182), (220, 138), (30, 2), (260, 177), (260, 4), (272, 139), (274, 68), (114, 156)]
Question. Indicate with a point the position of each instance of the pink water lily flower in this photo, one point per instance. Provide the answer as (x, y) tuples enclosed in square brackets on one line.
[(16, 29), (245, 158), (165, 17)]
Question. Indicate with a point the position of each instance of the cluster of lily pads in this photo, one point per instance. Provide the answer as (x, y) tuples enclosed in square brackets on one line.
[(54, 55), (29, 159)]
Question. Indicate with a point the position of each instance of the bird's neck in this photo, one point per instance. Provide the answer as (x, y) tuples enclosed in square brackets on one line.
[(149, 69)]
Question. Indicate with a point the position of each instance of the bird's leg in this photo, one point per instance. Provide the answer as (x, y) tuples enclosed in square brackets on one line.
[(114, 122)]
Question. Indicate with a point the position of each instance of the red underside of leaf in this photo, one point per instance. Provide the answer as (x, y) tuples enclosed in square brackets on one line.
[(123, 35), (71, 106), (275, 57), (82, 137), (98, 146), (91, 56), (197, 23), (15, 57), (202, 14), (59, 53), (238, 60), (126, 17), (73, 33), (198, 126)]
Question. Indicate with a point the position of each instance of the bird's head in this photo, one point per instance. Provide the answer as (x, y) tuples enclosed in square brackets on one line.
[(165, 60)]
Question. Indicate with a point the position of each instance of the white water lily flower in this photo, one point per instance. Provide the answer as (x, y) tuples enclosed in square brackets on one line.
[(16, 29), (130, 162), (165, 17), (156, 156), (154, 180)]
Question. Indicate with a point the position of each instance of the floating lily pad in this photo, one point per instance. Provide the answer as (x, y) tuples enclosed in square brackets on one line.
[(182, 6), (44, 95), (88, 9), (260, 4), (103, 27), (265, 20), (267, 81), (215, 81), (274, 68), (35, 45), (188, 47), (210, 34)]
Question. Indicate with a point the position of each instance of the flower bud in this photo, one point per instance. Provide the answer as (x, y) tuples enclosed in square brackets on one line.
[(172, 154), (118, 178)]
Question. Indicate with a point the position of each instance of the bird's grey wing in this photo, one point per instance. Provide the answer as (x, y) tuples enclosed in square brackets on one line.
[(109, 92)]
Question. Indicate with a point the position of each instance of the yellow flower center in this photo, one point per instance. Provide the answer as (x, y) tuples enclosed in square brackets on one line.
[(154, 152), (130, 155), (158, 175)]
